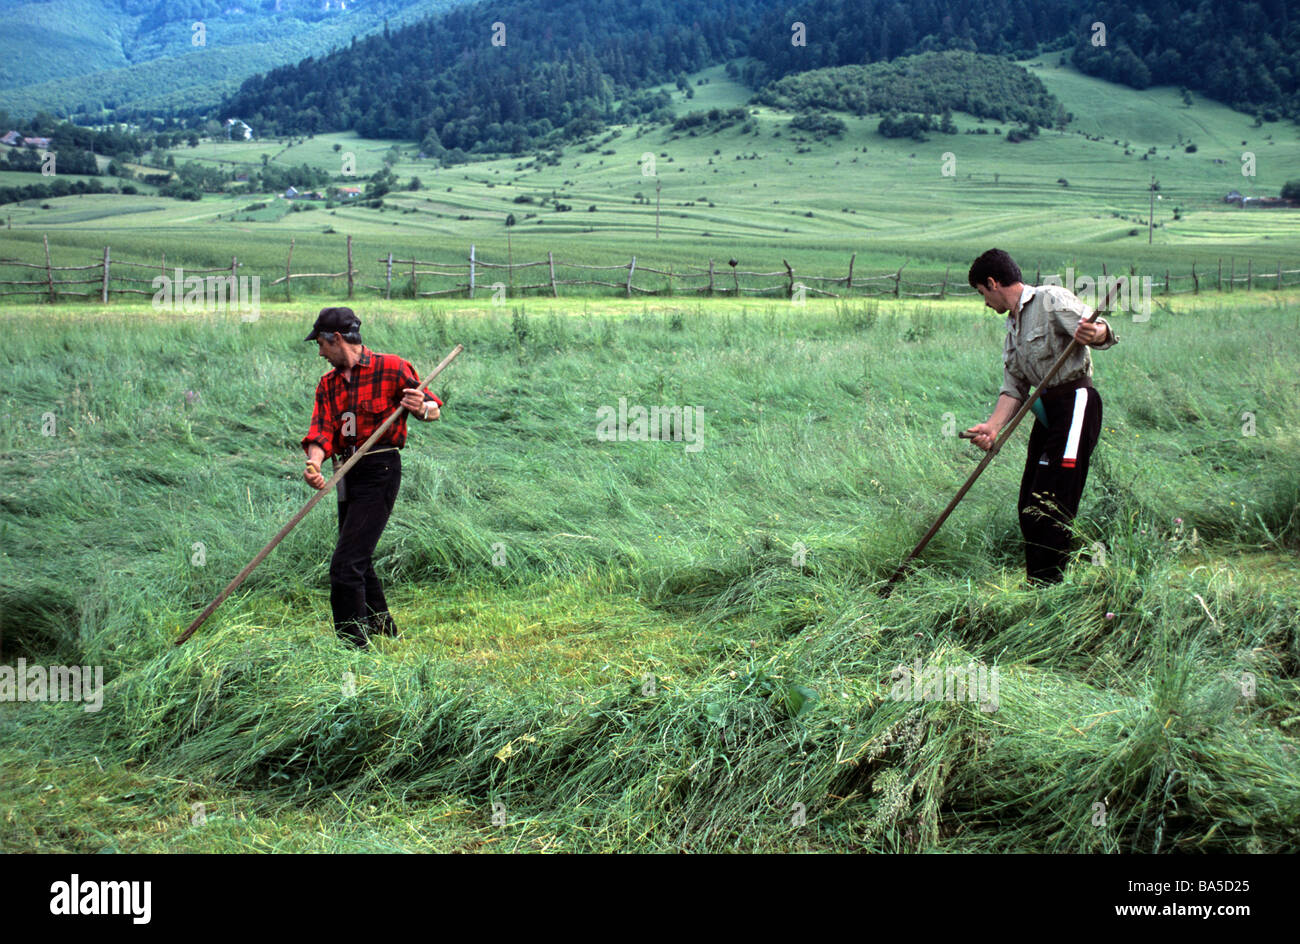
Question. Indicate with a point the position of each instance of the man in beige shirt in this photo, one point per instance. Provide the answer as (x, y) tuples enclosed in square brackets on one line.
[(1041, 321)]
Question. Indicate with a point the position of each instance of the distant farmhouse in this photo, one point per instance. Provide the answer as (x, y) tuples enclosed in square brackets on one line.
[(13, 138), (1265, 203), (349, 193), (237, 130), (41, 143), (293, 193)]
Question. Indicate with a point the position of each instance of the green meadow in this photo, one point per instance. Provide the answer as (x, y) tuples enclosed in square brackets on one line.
[(652, 645)]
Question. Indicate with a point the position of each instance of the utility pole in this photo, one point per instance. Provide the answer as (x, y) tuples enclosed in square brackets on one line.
[(658, 184), (1151, 213)]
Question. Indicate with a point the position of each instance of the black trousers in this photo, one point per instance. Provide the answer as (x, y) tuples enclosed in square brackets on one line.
[(1056, 469), (356, 596)]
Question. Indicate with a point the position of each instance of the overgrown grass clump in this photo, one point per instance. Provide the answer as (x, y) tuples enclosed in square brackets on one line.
[(629, 645)]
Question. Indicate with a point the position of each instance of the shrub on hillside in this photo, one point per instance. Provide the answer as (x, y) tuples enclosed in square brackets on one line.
[(819, 125), (906, 126)]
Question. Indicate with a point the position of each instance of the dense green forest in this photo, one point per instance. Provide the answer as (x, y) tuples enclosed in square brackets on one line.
[(1246, 55), (857, 32), (460, 82), (507, 78), (980, 85)]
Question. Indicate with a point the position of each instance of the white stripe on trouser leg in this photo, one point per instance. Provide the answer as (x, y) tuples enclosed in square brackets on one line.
[(1076, 429)]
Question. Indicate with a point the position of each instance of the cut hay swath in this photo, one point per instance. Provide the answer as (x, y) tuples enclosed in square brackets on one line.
[(311, 503), (995, 448)]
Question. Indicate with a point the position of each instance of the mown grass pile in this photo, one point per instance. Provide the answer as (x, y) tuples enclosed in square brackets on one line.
[(633, 645)]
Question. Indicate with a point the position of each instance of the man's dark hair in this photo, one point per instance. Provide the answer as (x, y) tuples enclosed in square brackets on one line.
[(994, 264), (352, 337)]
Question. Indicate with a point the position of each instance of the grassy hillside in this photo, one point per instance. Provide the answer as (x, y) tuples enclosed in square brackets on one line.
[(762, 197), (618, 645)]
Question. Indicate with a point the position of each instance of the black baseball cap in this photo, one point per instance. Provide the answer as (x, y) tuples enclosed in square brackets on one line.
[(335, 320)]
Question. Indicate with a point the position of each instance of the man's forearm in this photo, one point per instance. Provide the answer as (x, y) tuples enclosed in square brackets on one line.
[(315, 454), (1005, 409)]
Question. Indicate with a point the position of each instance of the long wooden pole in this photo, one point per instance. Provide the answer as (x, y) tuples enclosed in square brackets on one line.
[(302, 512), (993, 450)]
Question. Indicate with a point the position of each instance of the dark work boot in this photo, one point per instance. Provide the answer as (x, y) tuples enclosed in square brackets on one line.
[(382, 624), (354, 634)]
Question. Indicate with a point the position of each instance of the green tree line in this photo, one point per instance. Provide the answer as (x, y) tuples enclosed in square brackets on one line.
[(556, 71)]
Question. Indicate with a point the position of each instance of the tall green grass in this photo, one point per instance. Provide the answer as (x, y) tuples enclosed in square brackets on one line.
[(620, 644)]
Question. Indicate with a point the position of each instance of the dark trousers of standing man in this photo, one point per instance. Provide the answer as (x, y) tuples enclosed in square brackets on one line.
[(368, 493), (1055, 472)]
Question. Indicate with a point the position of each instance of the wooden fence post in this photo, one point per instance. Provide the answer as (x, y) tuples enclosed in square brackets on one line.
[(49, 269), (1196, 283), (550, 261), (234, 268), (943, 289), (1219, 283), (1166, 281), (670, 278), (471, 270), (349, 267), (1279, 276), (1250, 274), (103, 292), (1038, 277), (789, 279), (735, 275), (388, 278), (710, 278), (1232, 273), (1103, 270), (631, 267), (898, 281), (288, 264), (849, 285), (415, 290)]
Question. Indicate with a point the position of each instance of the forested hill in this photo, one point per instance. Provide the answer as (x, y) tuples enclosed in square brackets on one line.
[(856, 32), (930, 83), (554, 65), (1246, 55), (457, 83), (139, 57)]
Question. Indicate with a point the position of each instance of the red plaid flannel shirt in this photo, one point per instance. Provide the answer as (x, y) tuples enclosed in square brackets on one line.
[(375, 391)]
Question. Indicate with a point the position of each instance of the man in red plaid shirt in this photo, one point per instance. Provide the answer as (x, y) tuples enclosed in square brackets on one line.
[(352, 401)]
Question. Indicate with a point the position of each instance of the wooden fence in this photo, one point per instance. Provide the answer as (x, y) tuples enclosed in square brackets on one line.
[(427, 279)]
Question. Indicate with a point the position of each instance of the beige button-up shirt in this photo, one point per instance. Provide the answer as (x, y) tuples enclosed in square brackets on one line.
[(1049, 315)]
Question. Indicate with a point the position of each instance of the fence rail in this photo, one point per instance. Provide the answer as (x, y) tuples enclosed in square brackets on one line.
[(419, 278)]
